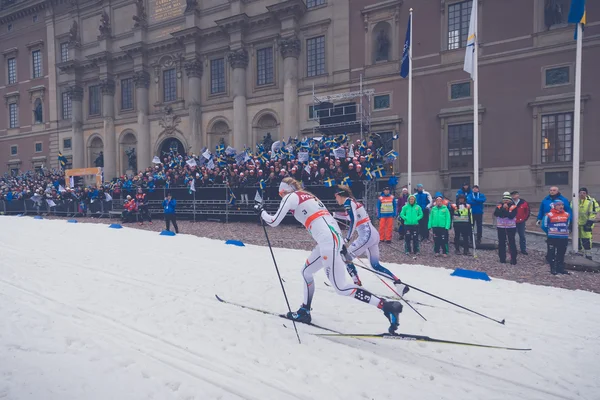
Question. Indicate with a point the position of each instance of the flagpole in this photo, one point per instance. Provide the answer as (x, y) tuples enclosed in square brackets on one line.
[(410, 107), (475, 103), (576, 137)]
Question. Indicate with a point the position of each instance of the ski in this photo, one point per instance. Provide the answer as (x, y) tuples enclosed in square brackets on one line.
[(394, 298), (417, 338), (277, 315)]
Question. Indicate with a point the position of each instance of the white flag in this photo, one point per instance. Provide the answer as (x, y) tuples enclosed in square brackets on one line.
[(206, 154), (108, 197), (191, 162), (340, 152), (72, 182), (61, 189), (193, 185), (471, 41), (156, 160), (257, 197), (230, 151), (276, 146), (303, 156), (211, 164), (307, 169), (51, 203)]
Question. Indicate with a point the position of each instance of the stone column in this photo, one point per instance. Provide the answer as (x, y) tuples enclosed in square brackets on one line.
[(110, 141), (290, 50), (76, 96), (238, 60), (194, 69), (141, 79)]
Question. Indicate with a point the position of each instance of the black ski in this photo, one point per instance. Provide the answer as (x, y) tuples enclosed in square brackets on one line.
[(276, 315), (418, 338)]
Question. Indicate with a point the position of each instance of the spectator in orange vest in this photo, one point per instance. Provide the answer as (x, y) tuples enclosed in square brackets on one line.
[(386, 212)]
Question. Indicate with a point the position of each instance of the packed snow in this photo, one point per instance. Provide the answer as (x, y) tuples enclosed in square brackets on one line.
[(89, 312)]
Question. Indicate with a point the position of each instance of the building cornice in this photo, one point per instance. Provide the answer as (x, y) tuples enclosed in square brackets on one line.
[(20, 10), (383, 5), (234, 23), (288, 9)]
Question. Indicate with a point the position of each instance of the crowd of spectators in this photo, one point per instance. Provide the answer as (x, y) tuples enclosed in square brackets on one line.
[(316, 161)]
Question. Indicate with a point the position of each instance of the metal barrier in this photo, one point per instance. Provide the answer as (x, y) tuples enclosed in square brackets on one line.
[(213, 202)]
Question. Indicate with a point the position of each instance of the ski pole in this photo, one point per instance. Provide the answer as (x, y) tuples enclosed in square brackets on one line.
[(396, 293), (437, 297), (474, 245), (280, 279)]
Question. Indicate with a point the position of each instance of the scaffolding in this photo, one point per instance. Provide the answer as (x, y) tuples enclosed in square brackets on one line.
[(349, 117)]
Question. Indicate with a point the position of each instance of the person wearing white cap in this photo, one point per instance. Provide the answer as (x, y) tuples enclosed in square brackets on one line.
[(310, 212), (506, 224)]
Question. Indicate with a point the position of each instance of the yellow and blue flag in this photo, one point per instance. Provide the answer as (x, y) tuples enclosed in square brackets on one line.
[(329, 182), (62, 160), (577, 14)]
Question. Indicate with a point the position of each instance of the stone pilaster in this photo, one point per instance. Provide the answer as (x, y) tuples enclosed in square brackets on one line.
[(238, 60), (290, 51), (75, 93), (110, 141), (141, 80), (194, 70)]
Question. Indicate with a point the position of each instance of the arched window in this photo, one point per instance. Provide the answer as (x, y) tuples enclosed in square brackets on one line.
[(382, 42), (38, 112)]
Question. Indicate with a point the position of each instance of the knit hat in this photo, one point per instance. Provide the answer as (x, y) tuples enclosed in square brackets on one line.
[(439, 194), (506, 196), (420, 185), (583, 189), (558, 201)]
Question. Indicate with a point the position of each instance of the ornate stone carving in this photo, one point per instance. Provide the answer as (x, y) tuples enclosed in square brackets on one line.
[(141, 79), (140, 17), (554, 14), (75, 93), (238, 58), (190, 5), (194, 68), (169, 121), (290, 47), (383, 47), (104, 27), (74, 34), (108, 87)]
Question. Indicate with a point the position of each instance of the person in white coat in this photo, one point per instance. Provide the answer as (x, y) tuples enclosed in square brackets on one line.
[(310, 212)]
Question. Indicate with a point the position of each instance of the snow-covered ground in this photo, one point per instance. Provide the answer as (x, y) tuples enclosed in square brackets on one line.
[(88, 312)]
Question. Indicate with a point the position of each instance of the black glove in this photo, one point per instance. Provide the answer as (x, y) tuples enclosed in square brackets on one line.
[(588, 226), (258, 207), (344, 250)]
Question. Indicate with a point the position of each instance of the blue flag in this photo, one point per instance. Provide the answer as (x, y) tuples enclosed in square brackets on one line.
[(405, 68), (577, 14)]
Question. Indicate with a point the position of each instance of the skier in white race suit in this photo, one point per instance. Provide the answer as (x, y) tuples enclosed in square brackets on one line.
[(310, 212), (367, 240)]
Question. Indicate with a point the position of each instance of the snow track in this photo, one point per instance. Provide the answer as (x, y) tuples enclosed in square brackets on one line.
[(94, 313)]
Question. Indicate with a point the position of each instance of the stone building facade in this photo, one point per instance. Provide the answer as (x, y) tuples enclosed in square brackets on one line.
[(526, 91), (26, 131), (148, 75)]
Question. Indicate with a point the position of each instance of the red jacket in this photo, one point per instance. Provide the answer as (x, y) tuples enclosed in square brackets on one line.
[(131, 205), (522, 211)]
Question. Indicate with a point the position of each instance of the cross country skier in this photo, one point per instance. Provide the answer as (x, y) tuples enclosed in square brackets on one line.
[(310, 211), (367, 241)]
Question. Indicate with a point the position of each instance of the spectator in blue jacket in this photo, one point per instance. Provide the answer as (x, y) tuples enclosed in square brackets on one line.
[(169, 205), (476, 200), (465, 190), (547, 204), (425, 202)]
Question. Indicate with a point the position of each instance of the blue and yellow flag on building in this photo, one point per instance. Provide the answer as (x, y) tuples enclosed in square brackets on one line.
[(62, 160), (577, 14)]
